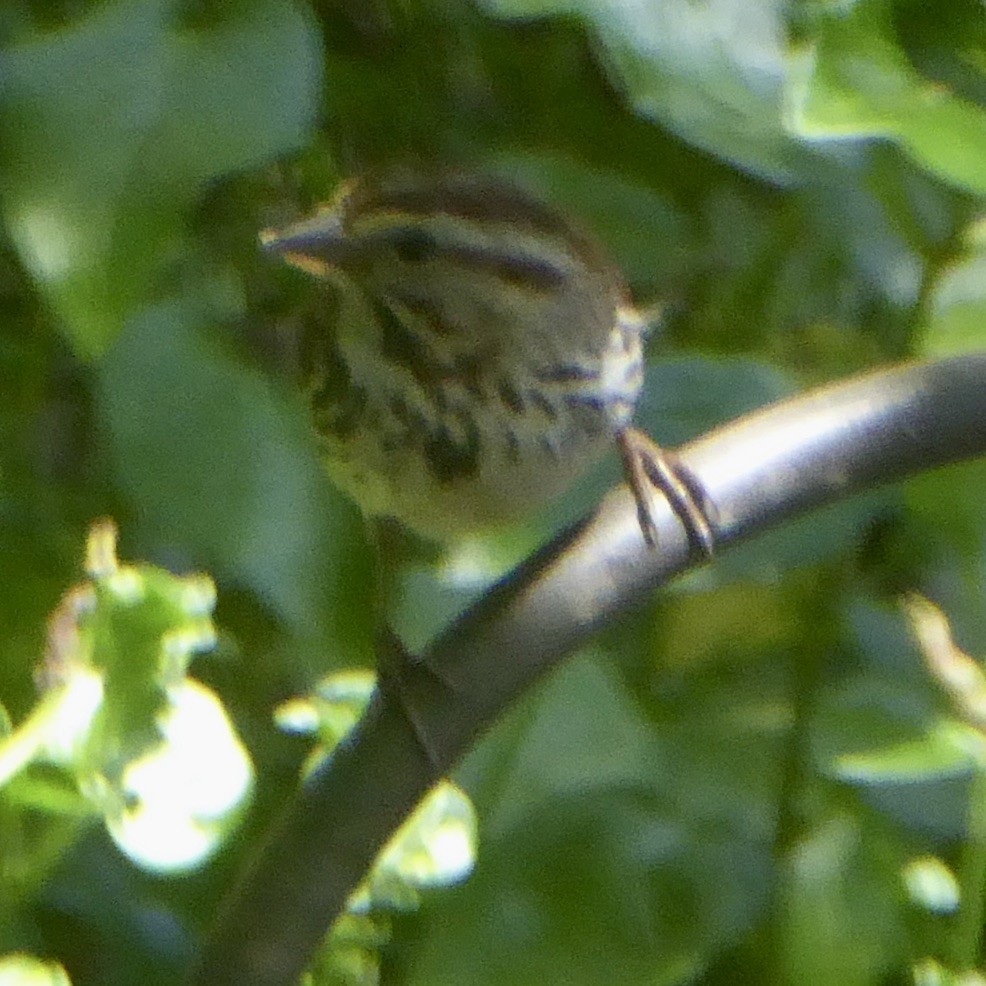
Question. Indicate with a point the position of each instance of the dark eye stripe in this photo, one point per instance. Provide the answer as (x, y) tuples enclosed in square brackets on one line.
[(473, 198), (415, 245)]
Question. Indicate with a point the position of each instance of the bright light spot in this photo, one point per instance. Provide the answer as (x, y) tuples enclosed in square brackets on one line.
[(26, 970), (297, 715), (198, 595), (331, 709), (181, 645), (436, 846), (932, 885), (352, 687), (78, 701), (101, 557), (126, 584), (185, 792), (453, 853)]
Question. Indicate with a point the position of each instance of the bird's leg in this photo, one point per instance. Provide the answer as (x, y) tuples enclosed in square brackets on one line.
[(647, 467)]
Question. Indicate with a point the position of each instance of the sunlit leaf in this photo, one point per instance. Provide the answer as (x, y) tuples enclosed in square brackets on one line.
[(856, 81), (25, 970)]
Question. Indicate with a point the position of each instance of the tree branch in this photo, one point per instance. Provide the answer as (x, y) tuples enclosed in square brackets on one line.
[(770, 466)]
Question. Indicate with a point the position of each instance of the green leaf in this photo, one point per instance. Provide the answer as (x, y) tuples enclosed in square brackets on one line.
[(856, 81), (216, 459), (946, 751), (837, 923), (957, 302), (712, 73), (637, 848), (109, 126), (949, 502), (151, 749)]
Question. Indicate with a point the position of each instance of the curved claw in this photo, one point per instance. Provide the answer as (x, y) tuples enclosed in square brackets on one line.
[(647, 467)]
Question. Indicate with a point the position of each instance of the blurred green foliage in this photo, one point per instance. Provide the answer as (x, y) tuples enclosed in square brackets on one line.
[(799, 182)]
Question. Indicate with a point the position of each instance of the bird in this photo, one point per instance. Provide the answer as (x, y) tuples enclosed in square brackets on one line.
[(485, 354)]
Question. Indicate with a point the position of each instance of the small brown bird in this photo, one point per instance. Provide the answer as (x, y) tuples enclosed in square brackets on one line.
[(485, 355)]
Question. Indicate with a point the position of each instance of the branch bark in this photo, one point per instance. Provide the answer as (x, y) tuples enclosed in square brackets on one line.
[(768, 467)]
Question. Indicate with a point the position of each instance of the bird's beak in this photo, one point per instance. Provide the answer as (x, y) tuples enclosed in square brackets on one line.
[(316, 244)]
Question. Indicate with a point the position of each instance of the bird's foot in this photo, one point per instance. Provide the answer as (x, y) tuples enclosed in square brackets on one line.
[(647, 467)]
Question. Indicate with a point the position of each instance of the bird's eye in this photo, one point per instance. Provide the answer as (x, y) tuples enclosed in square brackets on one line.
[(415, 245)]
